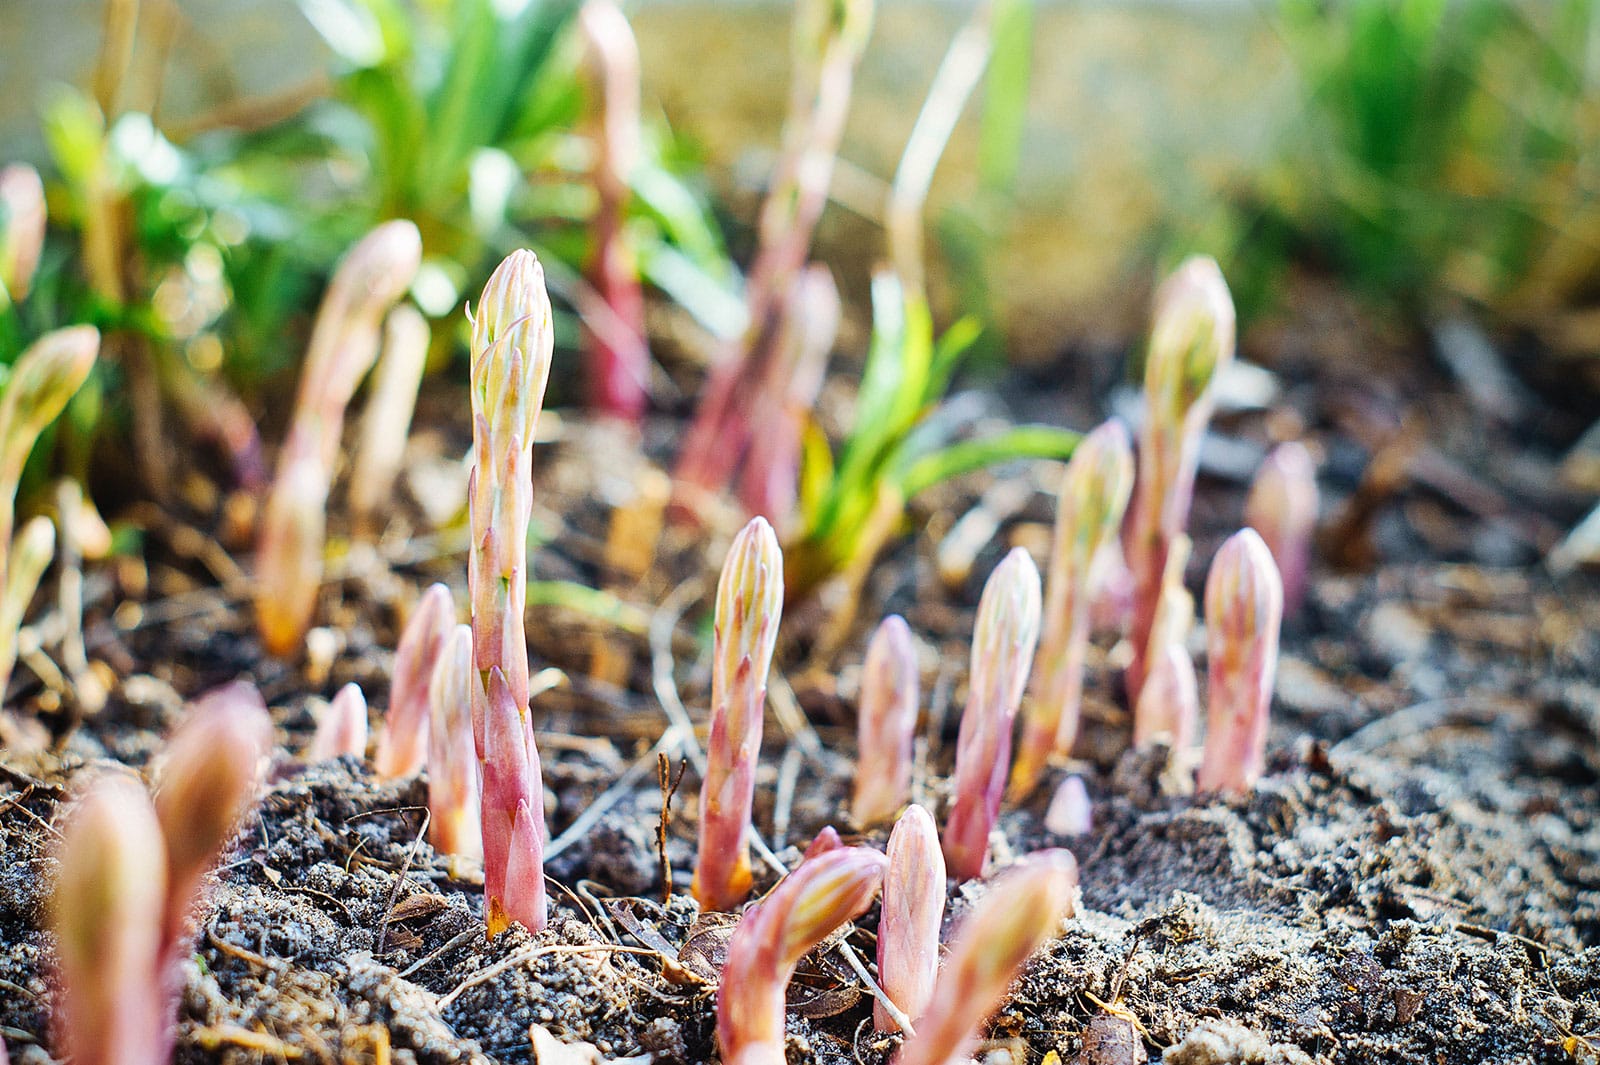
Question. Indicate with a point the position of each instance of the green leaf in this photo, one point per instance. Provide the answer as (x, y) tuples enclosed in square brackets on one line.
[(712, 304), (75, 131), (468, 102), (351, 30), (951, 348), (816, 471), (1005, 95), (914, 393), (684, 219), (543, 72), (593, 602), (884, 378), (1022, 442), (398, 119)]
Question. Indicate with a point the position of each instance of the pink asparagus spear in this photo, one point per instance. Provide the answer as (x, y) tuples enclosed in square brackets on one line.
[(1282, 507), (110, 899), (1191, 343), (1244, 609), (1022, 910), (342, 728), (1094, 495), (1169, 705), (619, 361), (403, 744), (913, 910), (824, 891), (1003, 643), (455, 825), (344, 344), (749, 605), (511, 349), (888, 723)]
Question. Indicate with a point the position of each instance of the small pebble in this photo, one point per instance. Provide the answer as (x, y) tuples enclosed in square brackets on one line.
[(1070, 812), (1111, 1040)]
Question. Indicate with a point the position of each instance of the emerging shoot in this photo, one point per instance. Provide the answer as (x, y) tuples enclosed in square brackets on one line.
[(386, 422), (512, 342), (810, 324), (342, 729), (1003, 643), (206, 784), (913, 910), (829, 37), (1169, 705), (23, 215), (42, 380), (1282, 507), (110, 898), (455, 825), (1191, 343), (131, 871), (1244, 609), (1094, 496), (25, 564), (824, 891), (1022, 910), (403, 745), (1070, 812), (888, 723), (749, 605), (1164, 712), (614, 336), (344, 343)]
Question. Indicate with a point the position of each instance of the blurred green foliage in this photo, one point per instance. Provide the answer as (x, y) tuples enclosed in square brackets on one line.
[(1447, 148), (151, 244), (898, 444), (201, 254), (465, 117)]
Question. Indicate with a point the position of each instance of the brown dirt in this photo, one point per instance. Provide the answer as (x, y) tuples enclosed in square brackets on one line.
[(1416, 880)]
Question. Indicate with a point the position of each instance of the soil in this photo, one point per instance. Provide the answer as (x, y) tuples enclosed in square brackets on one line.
[(1417, 878)]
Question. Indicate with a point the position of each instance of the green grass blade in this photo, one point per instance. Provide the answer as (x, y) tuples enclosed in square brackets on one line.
[(1022, 442)]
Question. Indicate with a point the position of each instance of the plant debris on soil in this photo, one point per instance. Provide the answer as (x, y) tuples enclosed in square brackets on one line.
[(1416, 879)]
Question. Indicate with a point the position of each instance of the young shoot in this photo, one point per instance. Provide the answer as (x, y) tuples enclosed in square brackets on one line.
[(1191, 343), (913, 911), (1169, 705), (1003, 643), (386, 421), (1089, 509), (831, 886), (374, 274), (23, 215), (749, 606), (1244, 610), (455, 820), (614, 338), (1282, 507), (512, 342), (342, 728), (829, 37), (131, 872), (1023, 909), (887, 725), (403, 744), (1169, 632)]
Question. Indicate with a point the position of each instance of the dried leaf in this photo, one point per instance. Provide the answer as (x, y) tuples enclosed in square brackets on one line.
[(707, 947), (548, 1050), (414, 906), (622, 911)]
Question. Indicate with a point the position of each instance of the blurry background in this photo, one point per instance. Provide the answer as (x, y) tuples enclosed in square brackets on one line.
[(1421, 155)]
